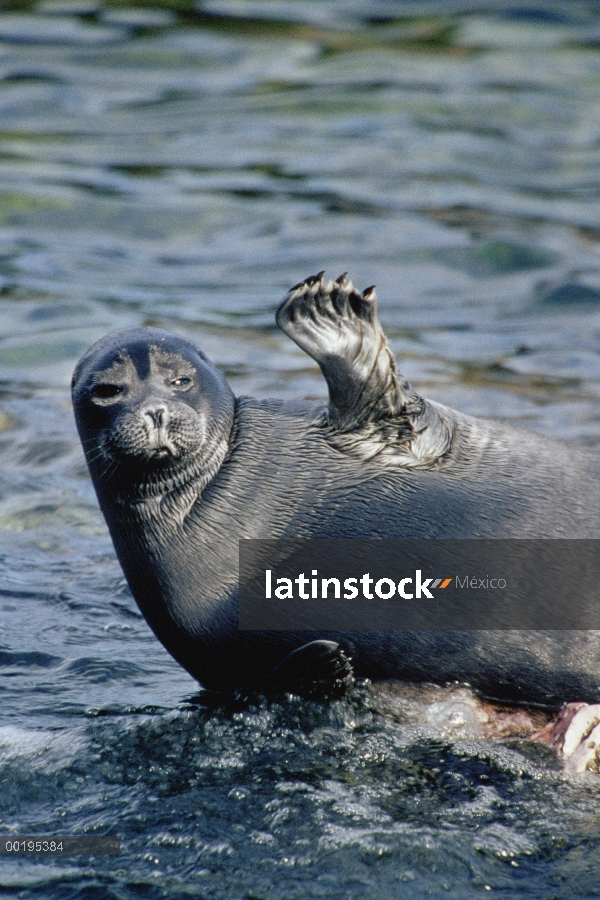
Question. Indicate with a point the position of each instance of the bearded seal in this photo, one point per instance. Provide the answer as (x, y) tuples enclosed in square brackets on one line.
[(183, 470)]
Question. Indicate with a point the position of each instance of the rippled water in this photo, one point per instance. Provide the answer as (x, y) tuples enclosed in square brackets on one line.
[(182, 166)]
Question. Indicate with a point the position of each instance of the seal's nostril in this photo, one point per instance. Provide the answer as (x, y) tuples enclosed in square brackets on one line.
[(157, 415)]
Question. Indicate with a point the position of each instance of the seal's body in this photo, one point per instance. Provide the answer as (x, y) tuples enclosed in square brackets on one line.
[(183, 471)]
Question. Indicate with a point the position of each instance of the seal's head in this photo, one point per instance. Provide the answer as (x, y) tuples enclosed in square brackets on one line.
[(151, 410)]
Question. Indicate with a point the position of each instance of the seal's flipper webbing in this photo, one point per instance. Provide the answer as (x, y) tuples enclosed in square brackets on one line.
[(371, 409), (318, 669)]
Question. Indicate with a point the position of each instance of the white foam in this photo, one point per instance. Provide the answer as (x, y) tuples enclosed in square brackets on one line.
[(42, 749)]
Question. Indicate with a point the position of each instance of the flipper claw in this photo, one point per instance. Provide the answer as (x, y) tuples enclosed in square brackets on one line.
[(315, 279)]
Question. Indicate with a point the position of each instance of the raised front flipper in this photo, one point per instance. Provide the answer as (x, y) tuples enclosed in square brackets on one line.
[(317, 669), (371, 410)]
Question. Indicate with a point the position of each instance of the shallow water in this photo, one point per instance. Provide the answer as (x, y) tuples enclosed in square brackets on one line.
[(183, 166)]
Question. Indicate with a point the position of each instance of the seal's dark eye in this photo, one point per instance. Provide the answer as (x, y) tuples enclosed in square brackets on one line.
[(106, 391), (181, 382)]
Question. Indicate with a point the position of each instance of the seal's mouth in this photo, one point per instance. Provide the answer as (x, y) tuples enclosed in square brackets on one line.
[(164, 451), (158, 446), (157, 440)]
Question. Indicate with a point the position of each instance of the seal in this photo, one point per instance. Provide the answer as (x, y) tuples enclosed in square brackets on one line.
[(183, 470)]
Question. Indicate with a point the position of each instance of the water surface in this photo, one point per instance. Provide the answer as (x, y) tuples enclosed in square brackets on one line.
[(182, 166)]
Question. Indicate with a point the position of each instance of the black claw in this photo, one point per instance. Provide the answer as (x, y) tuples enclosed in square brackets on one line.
[(368, 292), (315, 279), (342, 279)]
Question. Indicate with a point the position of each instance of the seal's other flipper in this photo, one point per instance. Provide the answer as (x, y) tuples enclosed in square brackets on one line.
[(318, 669), (371, 410)]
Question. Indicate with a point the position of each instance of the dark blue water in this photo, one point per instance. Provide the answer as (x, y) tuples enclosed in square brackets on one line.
[(182, 166)]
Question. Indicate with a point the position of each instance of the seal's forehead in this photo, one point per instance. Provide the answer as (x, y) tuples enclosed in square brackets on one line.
[(162, 360), (145, 359), (136, 352), (120, 368)]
